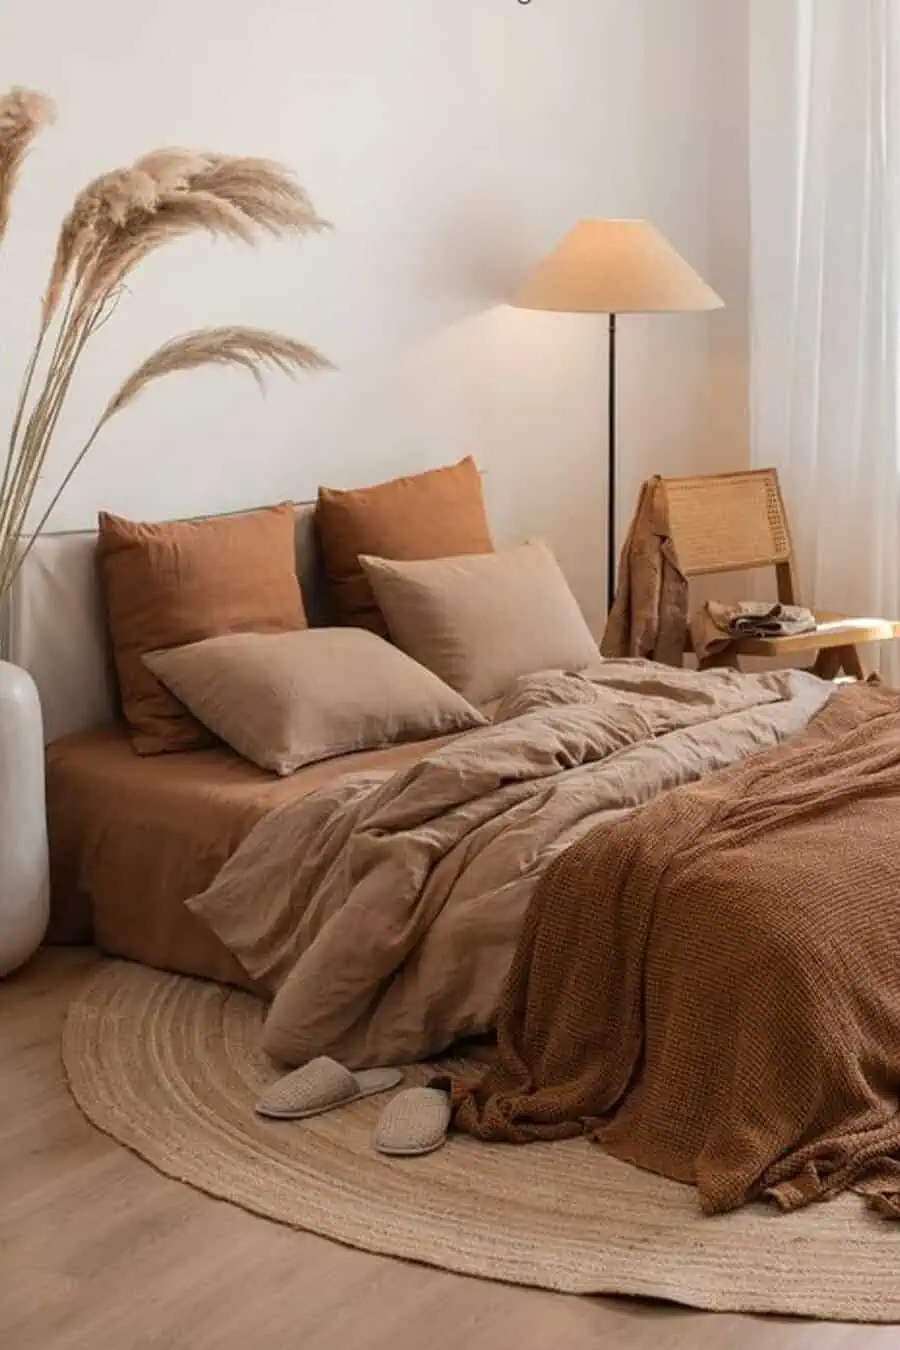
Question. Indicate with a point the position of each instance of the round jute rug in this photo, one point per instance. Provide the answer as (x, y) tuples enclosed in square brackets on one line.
[(170, 1067)]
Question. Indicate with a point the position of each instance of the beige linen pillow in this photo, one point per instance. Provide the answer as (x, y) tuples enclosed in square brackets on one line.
[(480, 622), (283, 700)]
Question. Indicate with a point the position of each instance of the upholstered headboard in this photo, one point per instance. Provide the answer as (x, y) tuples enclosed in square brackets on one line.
[(57, 631)]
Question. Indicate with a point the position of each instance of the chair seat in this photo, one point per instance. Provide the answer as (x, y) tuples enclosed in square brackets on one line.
[(832, 630)]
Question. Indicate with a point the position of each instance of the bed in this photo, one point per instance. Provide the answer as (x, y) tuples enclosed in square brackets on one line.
[(132, 838), (629, 874)]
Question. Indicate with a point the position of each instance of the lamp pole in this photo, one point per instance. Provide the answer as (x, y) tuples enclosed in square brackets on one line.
[(611, 488)]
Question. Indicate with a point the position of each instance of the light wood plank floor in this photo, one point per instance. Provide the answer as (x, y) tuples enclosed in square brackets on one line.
[(99, 1252)]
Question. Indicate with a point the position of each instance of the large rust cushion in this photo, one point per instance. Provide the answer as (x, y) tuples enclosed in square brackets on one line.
[(170, 584), (436, 514)]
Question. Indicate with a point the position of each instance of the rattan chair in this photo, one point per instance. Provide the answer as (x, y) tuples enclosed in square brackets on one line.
[(736, 521)]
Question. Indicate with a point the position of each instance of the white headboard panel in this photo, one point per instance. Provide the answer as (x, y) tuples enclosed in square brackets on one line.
[(57, 628), (57, 632)]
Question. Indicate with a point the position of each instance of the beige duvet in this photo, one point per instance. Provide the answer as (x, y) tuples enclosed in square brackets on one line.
[(382, 913)]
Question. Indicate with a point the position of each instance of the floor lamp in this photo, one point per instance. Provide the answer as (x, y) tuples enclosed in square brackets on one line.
[(615, 267)]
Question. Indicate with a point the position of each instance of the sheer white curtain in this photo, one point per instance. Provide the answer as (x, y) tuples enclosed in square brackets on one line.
[(825, 206)]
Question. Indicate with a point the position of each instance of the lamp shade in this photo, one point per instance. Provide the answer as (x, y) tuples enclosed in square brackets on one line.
[(616, 267)]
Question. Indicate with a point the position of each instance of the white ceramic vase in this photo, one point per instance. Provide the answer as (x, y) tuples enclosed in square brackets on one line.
[(24, 867)]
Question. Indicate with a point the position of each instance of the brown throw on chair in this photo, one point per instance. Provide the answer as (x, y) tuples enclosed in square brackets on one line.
[(649, 616), (711, 985)]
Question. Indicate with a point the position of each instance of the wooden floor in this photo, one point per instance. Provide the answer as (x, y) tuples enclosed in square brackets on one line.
[(99, 1252)]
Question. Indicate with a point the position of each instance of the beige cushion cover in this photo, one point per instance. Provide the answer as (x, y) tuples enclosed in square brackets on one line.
[(481, 622), (288, 699)]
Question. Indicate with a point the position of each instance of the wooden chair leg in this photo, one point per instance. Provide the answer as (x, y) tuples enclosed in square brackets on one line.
[(829, 663), (832, 660), (851, 663)]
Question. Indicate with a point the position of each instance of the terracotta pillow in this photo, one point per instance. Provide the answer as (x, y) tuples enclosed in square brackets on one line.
[(437, 514), (481, 622), (178, 582), (288, 699)]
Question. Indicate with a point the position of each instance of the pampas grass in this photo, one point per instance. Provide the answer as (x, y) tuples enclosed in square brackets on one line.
[(252, 349), (116, 222), (23, 114)]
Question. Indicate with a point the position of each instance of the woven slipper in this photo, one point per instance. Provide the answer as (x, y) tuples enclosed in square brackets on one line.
[(320, 1086), (414, 1122)]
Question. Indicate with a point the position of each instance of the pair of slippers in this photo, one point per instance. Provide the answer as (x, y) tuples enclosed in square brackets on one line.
[(413, 1123)]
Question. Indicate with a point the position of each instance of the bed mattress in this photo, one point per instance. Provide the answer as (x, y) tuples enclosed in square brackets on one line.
[(132, 838)]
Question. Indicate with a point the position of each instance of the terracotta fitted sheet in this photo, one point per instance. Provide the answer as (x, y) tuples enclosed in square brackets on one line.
[(132, 838)]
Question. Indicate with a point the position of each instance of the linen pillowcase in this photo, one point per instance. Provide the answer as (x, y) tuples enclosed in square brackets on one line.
[(481, 622), (178, 582), (427, 515), (291, 699)]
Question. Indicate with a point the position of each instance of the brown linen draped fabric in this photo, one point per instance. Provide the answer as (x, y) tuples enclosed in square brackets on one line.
[(711, 986), (649, 616)]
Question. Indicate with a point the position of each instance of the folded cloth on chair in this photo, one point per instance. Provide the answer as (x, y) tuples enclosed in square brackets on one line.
[(716, 626)]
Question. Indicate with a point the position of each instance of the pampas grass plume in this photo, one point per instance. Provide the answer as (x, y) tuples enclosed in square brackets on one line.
[(23, 115), (115, 222)]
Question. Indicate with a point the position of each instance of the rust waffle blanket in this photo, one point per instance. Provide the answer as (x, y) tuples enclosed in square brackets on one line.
[(711, 986)]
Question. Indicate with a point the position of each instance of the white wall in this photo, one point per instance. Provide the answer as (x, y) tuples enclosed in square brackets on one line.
[(451, 142)]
